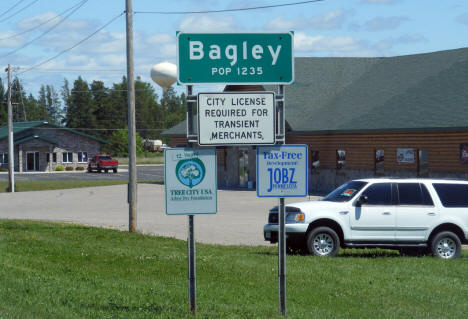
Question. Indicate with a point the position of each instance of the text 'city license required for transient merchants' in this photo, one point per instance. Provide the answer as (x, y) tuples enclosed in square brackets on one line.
[(243, 118)]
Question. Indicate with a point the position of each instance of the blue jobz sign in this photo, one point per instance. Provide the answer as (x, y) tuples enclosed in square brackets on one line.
[(282, 171)]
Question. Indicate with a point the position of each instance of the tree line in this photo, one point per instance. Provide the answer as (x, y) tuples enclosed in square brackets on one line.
[(97, 110)]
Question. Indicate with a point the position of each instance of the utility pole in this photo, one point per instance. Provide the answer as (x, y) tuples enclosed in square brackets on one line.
[(11, 163), (132, 180)]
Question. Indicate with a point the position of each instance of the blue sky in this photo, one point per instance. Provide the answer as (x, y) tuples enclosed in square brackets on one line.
[(325, 28)]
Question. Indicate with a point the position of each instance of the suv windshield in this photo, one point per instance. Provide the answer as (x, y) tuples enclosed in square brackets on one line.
[(345, 192)]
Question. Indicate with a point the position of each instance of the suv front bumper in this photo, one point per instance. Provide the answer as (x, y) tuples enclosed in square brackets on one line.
[(293, 231)]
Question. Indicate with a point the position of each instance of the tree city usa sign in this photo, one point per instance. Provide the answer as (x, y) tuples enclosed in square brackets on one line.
[(190, 181), (236, 118), (260, 58)]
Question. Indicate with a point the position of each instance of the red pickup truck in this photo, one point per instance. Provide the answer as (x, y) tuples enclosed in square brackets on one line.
[(103, 163)]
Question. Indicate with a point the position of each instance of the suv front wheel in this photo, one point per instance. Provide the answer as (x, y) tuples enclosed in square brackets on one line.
[(323, 241), (446, 245)]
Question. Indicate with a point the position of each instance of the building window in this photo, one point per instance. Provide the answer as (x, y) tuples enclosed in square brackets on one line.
[(423, 163), (54, 157), (379, 162), (3, 158), (340, 159), (82, 157), (67, 157), (314, 160)]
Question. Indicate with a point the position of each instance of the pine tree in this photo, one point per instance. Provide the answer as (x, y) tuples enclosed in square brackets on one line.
[(80, 112)]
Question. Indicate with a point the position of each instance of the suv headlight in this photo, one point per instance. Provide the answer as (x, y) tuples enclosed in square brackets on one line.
[(292, 218)]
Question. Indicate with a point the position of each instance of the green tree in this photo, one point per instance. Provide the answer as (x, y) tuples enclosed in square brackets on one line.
[(3, 105), (147, 109), (173, 107), (80, 111), (119, 143)]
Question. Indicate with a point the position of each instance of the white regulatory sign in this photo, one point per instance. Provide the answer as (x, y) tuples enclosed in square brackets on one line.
[(282, 171), (246, 118), (190, 181)]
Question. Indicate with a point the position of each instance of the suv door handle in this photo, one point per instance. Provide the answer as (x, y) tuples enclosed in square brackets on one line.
[(431, 214), (386, 213)]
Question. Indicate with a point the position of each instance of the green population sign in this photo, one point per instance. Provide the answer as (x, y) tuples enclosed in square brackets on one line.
[(233, 58)]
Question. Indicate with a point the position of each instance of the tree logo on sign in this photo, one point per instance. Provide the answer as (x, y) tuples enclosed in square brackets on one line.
[(190, 172)]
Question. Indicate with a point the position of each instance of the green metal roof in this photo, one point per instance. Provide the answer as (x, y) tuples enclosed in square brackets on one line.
[(404, 93), (32, 137), (19, 127)]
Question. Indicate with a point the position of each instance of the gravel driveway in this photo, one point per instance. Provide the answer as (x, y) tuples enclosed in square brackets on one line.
[(239, 221)]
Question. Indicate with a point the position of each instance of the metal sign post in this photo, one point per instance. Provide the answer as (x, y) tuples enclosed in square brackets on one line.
[(281, 232), (238, 58), (190, 183), (282, 172), (192, 276)]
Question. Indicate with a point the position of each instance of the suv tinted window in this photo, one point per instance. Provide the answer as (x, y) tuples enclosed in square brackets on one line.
[(452, 195), (345, 192), (427, 200), (379, 194), (413, 194)]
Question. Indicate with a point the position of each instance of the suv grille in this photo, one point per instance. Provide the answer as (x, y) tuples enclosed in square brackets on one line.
[(273, 216)]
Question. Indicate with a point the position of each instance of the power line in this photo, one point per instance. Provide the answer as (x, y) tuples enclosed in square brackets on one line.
[(90, 128), (81, 70), (20, 10), (73, 46), (78, 6), (39, 25), (229, 10), (11, 8)]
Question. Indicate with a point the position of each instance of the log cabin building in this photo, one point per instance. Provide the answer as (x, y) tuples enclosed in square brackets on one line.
[(403, 116)]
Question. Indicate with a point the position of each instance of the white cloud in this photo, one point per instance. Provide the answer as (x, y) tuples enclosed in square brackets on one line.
[(160, 38), (206, 23), (280, 23), (462, 18), (9, 40), (384, 23), (329, 21), (334, 45), (387, 44), (36, 20)]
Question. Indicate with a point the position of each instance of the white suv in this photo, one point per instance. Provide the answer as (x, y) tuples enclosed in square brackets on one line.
[(412, 215)]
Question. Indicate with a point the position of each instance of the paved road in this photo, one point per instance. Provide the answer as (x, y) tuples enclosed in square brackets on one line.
[(240, 219), (144, 172)]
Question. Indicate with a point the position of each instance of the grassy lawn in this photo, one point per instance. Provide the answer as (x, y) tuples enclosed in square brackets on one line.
[(69, 271), (27, 186), (149, 158)]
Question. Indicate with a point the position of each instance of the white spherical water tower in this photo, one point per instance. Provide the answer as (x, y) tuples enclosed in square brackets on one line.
[(164, 74)]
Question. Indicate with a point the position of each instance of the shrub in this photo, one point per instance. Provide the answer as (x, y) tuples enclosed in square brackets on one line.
[(59, 168), (79, 168), (69, 168)]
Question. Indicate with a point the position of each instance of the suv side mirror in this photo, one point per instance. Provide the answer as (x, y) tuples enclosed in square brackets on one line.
[(363, 199)]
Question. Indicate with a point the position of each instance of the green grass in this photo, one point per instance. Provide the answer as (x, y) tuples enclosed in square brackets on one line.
[(28, 186), (69, 271), (148, 158)]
